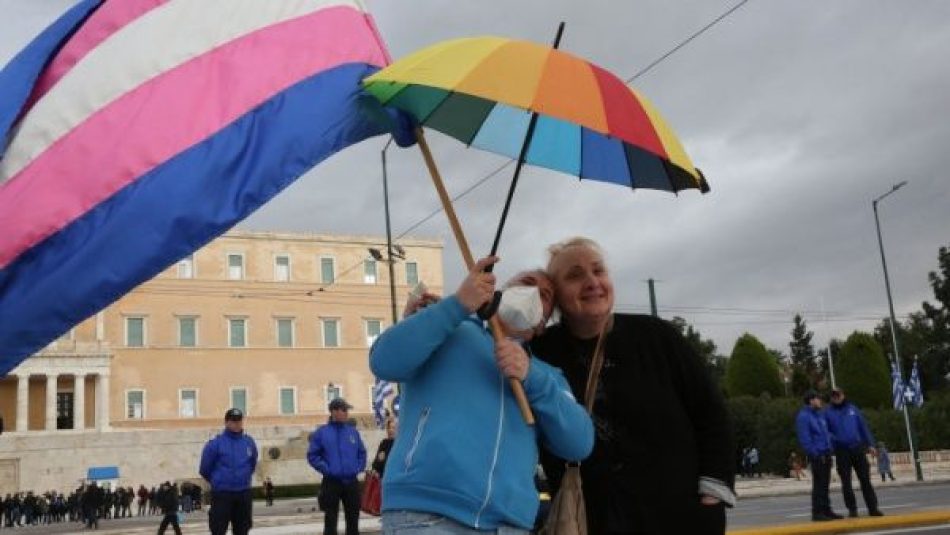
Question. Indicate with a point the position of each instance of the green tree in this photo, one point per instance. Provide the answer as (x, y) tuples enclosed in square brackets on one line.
[(704, 347), (752, 371), (862, 371), (805, 372)]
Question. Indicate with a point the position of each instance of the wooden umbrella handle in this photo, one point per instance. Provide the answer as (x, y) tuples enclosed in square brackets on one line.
[(496, 328)]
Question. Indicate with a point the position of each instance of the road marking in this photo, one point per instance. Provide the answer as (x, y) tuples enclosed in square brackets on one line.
[(896, 506)]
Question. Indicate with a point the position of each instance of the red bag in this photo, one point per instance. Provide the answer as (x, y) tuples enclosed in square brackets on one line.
[(372, 499)]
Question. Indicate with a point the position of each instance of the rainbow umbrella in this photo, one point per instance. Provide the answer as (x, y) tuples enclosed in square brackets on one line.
[(542, 106), (590, 124)]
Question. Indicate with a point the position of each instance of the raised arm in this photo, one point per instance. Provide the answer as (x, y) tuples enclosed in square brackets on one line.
[(404, 348)]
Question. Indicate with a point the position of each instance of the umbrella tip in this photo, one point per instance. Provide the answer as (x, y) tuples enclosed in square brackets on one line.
[(703, 184)]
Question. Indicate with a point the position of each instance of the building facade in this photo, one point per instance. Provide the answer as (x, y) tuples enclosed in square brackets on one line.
[(276, 324)]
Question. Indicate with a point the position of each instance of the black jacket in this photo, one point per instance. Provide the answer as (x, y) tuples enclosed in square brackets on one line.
[(382, 455), (661, 424)]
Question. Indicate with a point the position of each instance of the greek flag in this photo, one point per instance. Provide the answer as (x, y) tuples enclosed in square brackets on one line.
[(381, 391), (897, 388), (914, 386)]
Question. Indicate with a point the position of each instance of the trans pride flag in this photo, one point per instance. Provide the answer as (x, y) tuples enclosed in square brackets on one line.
[(133, 132)]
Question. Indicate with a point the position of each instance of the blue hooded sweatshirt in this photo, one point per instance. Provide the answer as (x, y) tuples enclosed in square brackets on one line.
[(813, 432), (228, 461), (847, 426), (337, 451), (463, 450)]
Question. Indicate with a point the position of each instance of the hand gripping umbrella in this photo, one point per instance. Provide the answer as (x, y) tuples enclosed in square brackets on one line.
[(542, 106)]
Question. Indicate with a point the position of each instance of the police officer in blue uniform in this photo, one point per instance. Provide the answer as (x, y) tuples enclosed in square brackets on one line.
[(228, 462)]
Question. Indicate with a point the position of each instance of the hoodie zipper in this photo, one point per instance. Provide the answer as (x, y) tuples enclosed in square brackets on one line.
[(415, 441), (494, 460)]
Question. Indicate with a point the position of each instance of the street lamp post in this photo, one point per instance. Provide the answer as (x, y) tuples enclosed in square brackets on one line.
[(893, 325)]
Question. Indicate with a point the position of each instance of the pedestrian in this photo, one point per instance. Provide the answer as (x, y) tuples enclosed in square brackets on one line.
[(663, 460), (337, 452), (814, 438), (754, 461), (466, 457), (385, 446), (795, 465), (91, 502), (852, 441), (269, 491), (227, 463), (142, 500), (168, 502), (884, 462)]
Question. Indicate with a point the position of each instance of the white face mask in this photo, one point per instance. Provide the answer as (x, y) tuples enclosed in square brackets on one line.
[(521, 308)]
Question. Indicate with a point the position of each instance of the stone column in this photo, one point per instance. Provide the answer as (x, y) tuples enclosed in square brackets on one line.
[(79, 401), (102, 402), (51, 402), (22, 402)]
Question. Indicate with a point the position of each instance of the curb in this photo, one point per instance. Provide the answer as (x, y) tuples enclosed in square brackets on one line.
[(926, 518), (766, 491)]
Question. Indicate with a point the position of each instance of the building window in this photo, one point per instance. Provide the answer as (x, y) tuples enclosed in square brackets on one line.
[(369, 271), (135, 331), (135, 404), (412, 273), (188, 403), (373, 328), (237, 335), (235, 266), (187, 331), (331, 392), (288, 400), (239, 398), (327, 270), (186, 267), (282, 268), (331, 332), (285, 332)]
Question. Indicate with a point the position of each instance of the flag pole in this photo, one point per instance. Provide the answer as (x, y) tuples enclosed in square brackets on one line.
[(496, 329)]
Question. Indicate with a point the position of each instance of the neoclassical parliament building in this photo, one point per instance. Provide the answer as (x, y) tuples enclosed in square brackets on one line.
[(277, 324)]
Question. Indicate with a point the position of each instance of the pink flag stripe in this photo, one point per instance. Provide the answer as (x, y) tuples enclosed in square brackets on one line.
[(170, 113), (106, 20), (157, 41)]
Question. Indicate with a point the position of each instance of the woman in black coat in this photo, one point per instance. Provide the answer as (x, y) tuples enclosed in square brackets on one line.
[(662, 460)]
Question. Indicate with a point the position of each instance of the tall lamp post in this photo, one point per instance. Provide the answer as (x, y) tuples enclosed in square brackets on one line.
[(391, 251), (893, 324)]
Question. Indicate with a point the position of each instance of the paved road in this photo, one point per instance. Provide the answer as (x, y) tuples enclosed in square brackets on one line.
[(794, 509)]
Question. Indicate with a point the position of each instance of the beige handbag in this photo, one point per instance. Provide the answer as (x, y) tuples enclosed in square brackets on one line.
[(568, 516)]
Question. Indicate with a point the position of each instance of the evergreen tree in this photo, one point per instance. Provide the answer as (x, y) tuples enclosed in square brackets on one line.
[(805, 373), (752, 371), (861, 370)]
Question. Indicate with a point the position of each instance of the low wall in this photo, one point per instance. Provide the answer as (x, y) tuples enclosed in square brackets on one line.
[(59, 460)]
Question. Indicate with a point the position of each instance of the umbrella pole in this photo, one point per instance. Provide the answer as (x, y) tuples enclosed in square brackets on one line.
[(525, 145), (496, 328)]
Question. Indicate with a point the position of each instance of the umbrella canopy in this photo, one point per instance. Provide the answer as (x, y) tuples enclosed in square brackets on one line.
[(483, 90)]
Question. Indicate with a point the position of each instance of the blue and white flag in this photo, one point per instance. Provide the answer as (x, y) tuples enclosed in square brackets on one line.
[(381, 391), (914, 385), (897, 388)]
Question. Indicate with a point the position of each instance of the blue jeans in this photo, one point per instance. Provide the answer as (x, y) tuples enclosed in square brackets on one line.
[(413, 523)]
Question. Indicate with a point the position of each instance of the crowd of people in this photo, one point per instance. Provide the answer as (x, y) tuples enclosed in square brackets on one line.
[(90, 503)]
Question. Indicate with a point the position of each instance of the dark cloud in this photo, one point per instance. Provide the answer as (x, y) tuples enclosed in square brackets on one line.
[(799, 112)]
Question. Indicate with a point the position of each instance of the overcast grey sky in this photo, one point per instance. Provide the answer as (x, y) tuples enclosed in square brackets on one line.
[(799, 112)]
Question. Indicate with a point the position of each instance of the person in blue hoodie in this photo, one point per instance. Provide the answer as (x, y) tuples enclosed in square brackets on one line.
[(228, 462), (852, 441), (337, 452), (814, 438), (465, 460)]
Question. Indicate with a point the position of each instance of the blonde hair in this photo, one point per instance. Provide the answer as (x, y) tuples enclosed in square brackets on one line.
[(555, 250), (539, 273)]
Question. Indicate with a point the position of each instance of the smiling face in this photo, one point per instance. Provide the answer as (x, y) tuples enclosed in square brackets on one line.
[(583, 289)]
